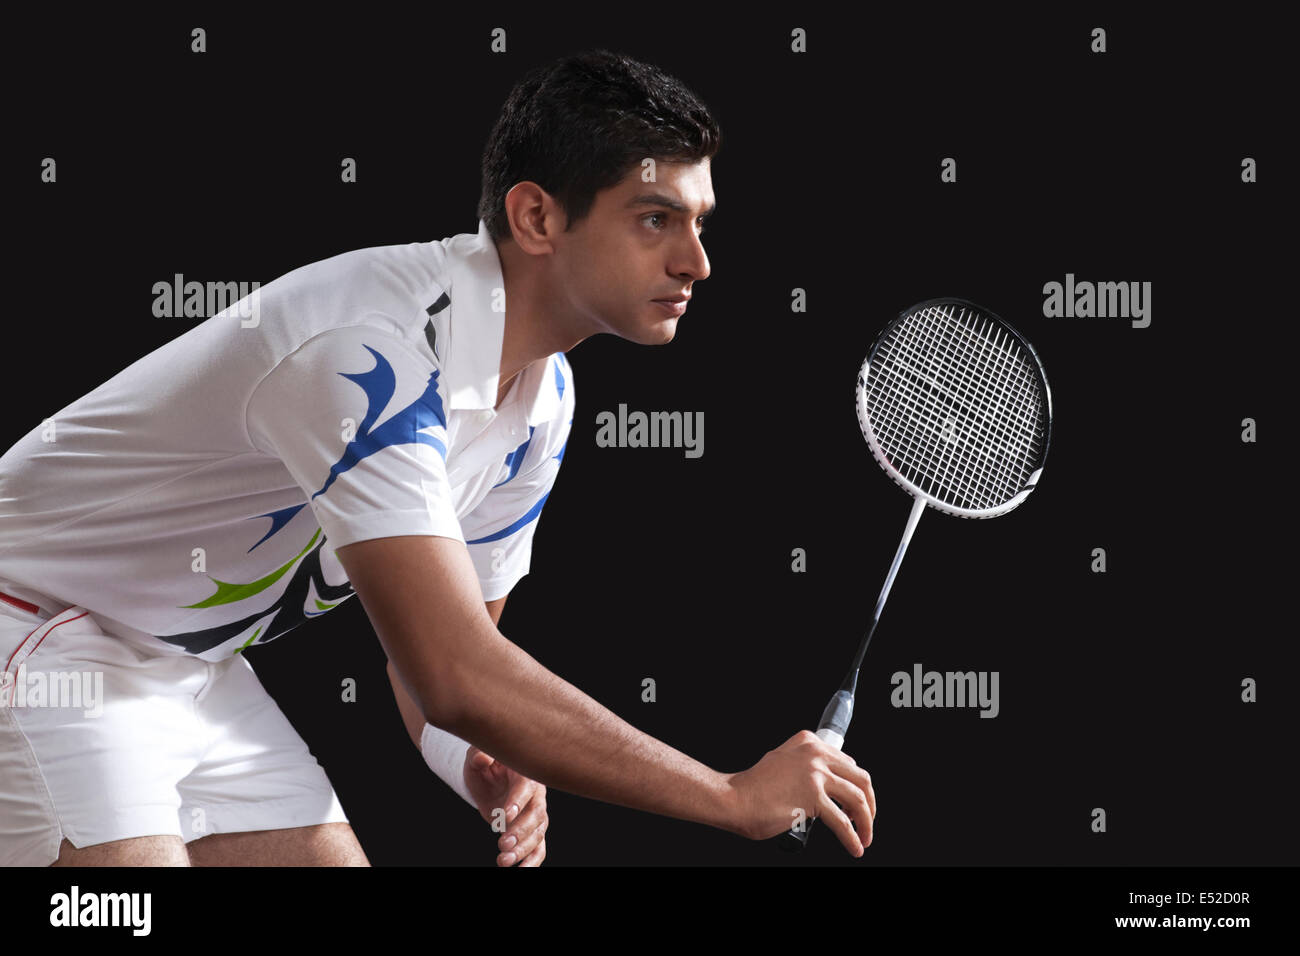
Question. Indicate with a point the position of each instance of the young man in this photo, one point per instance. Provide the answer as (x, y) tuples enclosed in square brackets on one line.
[(390, 420)]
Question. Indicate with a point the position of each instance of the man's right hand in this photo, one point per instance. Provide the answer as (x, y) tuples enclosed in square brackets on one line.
[(805, 773)]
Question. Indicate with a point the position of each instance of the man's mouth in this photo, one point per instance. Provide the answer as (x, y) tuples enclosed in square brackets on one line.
[(674, 306)]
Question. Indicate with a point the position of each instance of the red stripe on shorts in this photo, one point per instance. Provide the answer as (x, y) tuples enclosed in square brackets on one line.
[(38, 643)]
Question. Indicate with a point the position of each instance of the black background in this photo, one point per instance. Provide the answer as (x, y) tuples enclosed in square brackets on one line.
[(1118, 690)]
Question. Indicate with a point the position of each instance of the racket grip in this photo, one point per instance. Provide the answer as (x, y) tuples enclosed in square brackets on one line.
[(834, 725)]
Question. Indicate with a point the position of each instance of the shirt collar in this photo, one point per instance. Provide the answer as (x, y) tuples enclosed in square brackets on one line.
[(476, 332)]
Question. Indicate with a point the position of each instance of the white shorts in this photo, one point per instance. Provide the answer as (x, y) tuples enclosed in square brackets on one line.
[(101, 740)]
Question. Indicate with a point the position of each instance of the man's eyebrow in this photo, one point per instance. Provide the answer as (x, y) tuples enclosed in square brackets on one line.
[(659, 199)]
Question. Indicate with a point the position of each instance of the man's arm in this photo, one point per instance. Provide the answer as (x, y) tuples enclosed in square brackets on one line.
[(409, 709), (422, 596)]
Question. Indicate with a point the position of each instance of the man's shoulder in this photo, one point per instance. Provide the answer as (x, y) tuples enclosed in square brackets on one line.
[(378, 295), (402, 281), (378, 261)]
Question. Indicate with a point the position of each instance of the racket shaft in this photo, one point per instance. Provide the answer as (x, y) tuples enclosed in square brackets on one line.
[(918, 506), (834, 724)]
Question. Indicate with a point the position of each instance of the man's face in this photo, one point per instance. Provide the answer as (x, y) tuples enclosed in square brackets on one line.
[(639, 243)]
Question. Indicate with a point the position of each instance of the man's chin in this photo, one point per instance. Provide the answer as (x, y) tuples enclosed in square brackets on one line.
[(660, 332), (666, 332)]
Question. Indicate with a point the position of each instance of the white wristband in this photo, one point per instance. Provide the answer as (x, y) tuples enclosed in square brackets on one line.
[(445, 755)]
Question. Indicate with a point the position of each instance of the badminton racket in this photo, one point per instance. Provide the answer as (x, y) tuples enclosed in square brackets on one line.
[(955, 407)]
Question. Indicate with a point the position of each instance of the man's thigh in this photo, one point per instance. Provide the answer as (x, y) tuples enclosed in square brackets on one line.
[(325, 844), (136, 851)]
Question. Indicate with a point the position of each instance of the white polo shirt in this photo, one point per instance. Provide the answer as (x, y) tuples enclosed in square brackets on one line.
[(194, 500)]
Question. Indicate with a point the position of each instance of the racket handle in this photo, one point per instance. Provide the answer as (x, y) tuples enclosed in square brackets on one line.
[(834, 725)]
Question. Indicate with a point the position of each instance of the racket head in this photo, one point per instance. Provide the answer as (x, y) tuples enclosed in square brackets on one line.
[(954, 404)]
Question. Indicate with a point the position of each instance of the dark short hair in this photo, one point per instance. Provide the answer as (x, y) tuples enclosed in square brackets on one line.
[(580, 124)]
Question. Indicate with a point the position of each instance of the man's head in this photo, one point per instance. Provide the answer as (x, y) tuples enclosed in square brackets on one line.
[(566, 181)]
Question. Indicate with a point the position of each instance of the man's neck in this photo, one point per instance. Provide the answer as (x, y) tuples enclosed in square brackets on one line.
[(534, 325)]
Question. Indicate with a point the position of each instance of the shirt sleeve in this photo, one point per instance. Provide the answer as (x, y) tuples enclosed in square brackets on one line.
[(499, 531), (358, 418)]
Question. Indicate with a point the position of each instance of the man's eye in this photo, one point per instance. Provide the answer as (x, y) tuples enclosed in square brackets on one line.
[(661, 215)]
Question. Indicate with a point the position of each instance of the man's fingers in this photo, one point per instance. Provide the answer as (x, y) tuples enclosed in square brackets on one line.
[(521, 791), (524, 833), (845, 766), (527, 845), (534, 812), (528, 840), (838, 821), (537, 856), (854, 801)]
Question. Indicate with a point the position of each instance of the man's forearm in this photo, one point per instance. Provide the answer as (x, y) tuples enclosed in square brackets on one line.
[(442, 752), (503, 701)]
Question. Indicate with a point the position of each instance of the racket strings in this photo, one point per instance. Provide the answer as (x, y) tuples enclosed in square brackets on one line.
[(952, 404), (1007, 430), (941, 443), (956, 407)]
